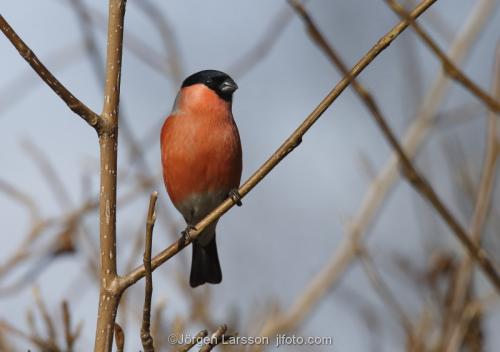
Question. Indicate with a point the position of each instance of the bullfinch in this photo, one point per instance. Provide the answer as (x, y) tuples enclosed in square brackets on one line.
[(202, 160)]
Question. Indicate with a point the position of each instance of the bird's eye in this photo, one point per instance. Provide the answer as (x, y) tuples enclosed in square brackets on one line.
[(208, 81)]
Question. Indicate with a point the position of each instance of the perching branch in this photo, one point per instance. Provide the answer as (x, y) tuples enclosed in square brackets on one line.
[(344, 254), (73, 103), (147, 340), (448, 66), (289, 145), (409, 171)]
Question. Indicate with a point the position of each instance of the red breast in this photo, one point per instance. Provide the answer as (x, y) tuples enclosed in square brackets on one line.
[(200, 145)]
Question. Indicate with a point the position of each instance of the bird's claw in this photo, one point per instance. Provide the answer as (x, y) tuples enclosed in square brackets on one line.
[(236, 197), (186, 233)]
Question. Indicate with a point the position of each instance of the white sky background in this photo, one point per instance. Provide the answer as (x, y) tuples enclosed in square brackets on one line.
[(291, 223)]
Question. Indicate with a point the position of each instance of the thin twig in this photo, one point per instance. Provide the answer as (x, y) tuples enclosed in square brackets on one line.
[(193, 342), (288, 146), (216, 338), (448, 66), (172, 52), (481, 210), (259, 51), (68, 334), (29, 248), (84, 20), (146, 338), (146, 53), (157, 325), (25, 251), (45, 346), (73, 103), (410, 172), (345, 253), (135, 150), (49, 173), (21, 197), (469, 311), (22, 84), (119, 338), (87, 17), (384, 291), (436, 21), (47, 319)]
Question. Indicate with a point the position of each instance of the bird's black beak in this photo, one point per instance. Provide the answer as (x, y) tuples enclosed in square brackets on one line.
[(228, 86)]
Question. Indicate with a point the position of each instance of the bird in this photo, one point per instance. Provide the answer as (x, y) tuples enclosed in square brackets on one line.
[(201, 159)]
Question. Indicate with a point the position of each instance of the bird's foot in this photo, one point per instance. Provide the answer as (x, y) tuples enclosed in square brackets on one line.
[(235, 196), (186, 233)]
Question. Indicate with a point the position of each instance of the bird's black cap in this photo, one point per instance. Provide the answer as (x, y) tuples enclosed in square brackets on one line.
[(218, 81)]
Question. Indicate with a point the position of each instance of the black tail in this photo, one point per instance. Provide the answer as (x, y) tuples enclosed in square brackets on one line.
[(205, 265)]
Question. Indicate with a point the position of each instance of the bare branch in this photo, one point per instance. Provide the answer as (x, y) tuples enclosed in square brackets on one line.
[(73, 103), (258, 52), (409, 171), (23, 83), (68, 334), (21, 197), (149, 55), (119, 338), (481, 210), (344, 254), (49, 324), (109, 296), (147, 340), (384, 291), (216, 338), (166, 31), (470, 310), (84, 20), (87, 18), (448, 66), (48, 171), (199, 337), (37, 341)]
